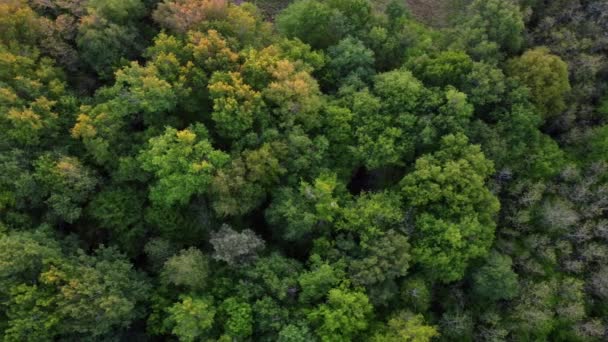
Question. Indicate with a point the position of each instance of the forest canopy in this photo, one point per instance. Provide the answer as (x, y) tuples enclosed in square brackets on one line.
[(308, 170)]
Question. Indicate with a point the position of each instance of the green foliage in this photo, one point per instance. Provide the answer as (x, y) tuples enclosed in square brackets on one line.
[(241, 185), (188, 269), (453, 205), (343, 317), (119, 210), (75, 294), (407, 327), (491, 28), (372, 215), (448, 68), (384, 120), (295, 333), (314, 174), (384, 259), (299, 214), (598, 142), (317, 282), (183, 163), (349, 61), (496, 279), (108, 35), (64, 184), (546, 76), (275, 276), (416, 294), (323, 23), (238, 323), (485, 84), (192, 318), (235, 104), (233, 247)]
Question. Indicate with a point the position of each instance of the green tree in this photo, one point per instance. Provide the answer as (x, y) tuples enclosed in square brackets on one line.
[(295, 333), (371, 215), (191, 318), (276, 276), (238, 323), (345, 315), (65, 184), (183, 162), (407, 327), (269, 316), (447, 68), (350, 60), (496, 280), (323, 23), (317, 282), (108, 35), (189, 269), (416, 294), (485, 84), (492, 28), (74, 294), (119, 209), (546, 75), (235, 105), (235, 247), (453, 205), (242, 185), (299, 214), (383, 259)]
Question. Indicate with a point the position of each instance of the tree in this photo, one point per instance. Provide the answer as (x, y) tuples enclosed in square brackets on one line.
[(158, 251), (385, 258), (322, 24), (416, 294), (371, 215), (191, 318), (317, 282), (19, 25), (276, 276), (350, 60), (485, 84), (269, 316), (384, 119), (241, 185), (453, 205), (496, 280), (181, 16), (108, 34), (493, 27), (532, 311), (238, 323), (447, 68), (233, 247), (399, 90), (183, 162), (189, 269), (345, 315), (293, 96), (406, 326), (295, 333), (235, 105), (546, 76), (119, 209), (65, 184), (314, 22), (73, 293), (299, 214)]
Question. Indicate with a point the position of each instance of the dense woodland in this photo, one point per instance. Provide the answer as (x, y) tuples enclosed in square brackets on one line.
[(316, 170)]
